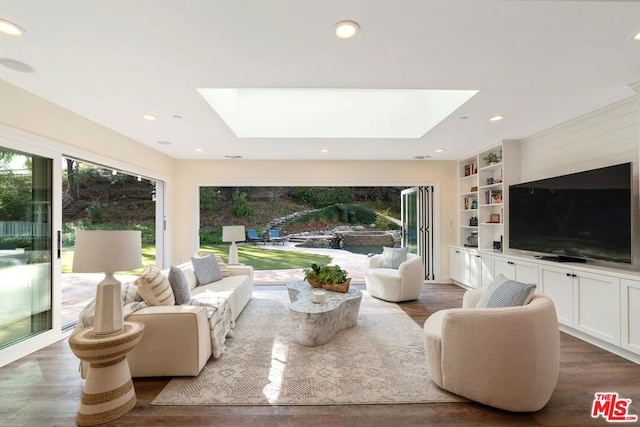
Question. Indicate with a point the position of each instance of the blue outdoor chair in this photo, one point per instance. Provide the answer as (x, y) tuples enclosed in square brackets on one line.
[(275, 237), (254, 237)]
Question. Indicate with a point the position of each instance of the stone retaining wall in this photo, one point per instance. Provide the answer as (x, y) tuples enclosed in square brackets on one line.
[(357, 239)]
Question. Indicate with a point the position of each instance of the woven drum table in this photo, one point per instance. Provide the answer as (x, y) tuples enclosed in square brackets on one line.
[(108, 391)]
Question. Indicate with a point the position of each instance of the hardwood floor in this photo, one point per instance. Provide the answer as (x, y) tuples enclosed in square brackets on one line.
[(43, 389)]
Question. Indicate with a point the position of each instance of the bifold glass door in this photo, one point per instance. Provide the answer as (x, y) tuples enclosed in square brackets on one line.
[(25, 246), (418, 225)]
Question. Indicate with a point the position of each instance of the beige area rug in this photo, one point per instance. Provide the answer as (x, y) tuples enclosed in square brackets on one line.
[(381, 360)]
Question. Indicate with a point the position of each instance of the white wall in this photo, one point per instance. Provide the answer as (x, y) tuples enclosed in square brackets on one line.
[(603, 138)]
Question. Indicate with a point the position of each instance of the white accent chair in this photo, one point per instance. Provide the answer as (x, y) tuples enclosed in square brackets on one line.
[(395, 285), (508, 358)]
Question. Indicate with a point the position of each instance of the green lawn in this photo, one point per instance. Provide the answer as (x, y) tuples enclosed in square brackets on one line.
[(259, 257)]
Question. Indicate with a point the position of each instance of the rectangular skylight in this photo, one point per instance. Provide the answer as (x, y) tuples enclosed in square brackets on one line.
[(333, 113)]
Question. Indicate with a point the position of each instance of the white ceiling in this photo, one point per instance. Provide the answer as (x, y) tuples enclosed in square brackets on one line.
[(539, 63)]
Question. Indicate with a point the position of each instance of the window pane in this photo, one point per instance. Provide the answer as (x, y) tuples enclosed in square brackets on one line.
[(25, 246)]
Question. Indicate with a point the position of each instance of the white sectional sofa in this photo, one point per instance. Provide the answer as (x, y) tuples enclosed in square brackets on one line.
[(177, 339)]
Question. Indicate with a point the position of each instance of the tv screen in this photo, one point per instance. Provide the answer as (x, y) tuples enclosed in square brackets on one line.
[(584, 215)]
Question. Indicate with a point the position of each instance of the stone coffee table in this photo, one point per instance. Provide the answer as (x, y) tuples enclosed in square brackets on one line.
[(316, 323)]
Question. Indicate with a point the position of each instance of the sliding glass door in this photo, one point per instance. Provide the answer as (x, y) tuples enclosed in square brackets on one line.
[(25, 246)]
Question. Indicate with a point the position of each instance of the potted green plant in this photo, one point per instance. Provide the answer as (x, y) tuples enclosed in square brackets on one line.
[(492, 158), (329, 277)]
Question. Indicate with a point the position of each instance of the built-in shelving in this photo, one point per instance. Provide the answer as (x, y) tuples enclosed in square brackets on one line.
[(486, 183)]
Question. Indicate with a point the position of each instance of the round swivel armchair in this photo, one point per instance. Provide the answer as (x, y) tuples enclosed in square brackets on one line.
[(395, 284), (508, 358)]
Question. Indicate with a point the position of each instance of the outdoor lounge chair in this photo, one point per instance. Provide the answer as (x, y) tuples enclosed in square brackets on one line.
[(274, 237), (254, 237)]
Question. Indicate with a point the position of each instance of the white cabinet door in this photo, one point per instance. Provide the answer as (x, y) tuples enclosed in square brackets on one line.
[(504, 266), (557, 283), (597, 310), (475, 269), (630, 328), (511, 268), (455, 264), (486, 270)]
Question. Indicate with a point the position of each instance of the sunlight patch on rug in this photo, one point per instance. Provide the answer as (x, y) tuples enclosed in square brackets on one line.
[(381, 360)]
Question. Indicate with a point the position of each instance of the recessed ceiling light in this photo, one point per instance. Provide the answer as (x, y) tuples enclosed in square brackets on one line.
[(177, 117), (150, 117), (636, 37), (17, 65), (199, 150), (163, 142), (346, 29), (324, 150), (496, 118), (439, 150), (10, 28)]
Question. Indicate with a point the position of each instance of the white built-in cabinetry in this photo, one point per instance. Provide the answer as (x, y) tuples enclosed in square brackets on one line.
[(630, 302), (600, 305)]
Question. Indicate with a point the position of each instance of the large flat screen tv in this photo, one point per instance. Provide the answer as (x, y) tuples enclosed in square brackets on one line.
[(586, 215)]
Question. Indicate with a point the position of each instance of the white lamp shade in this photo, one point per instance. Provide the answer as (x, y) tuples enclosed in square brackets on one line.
[(233, 233), (107, 251)]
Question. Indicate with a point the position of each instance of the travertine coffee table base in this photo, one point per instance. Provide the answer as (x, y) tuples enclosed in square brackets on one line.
[(108, 391), (315, 324)]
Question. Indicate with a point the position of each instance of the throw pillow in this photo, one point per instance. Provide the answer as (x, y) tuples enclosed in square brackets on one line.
[(223, 267), (154, 287), (393, 257), (503, 292), (180, 286), (206, 269)]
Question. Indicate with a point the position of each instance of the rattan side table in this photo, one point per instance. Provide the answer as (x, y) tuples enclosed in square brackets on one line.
[(108, 391)]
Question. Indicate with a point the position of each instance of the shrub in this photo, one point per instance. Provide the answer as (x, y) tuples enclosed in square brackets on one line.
[(211, 236), (240, 206)]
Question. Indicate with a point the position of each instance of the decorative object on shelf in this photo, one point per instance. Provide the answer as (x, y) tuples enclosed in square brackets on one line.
[(470, 169), (473, 221), (329, 277), (318, 296), (490, 181), (472, 240), (492, 158), (474, 189), (494, 218), (496, 196), (233, 234), (474, 204), (497, 245)]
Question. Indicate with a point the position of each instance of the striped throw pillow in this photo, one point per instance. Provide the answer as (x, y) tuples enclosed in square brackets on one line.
[(154, 287), (393, 257), (503, 292)]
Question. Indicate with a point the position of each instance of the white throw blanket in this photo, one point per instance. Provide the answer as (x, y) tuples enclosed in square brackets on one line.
[(218, 313)]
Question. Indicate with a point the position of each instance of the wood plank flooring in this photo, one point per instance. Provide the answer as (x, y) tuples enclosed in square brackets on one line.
[(43, 389)]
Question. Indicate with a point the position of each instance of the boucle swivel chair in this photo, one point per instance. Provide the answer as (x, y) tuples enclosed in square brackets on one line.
[(508, 358), (395, 284)]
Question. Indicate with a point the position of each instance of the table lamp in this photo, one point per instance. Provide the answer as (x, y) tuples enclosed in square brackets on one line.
[(107, 251), (233, 234)]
